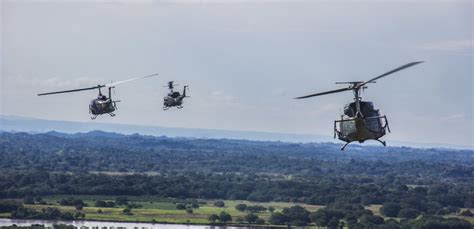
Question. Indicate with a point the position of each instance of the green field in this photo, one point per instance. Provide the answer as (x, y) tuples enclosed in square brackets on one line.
[(162, 210)]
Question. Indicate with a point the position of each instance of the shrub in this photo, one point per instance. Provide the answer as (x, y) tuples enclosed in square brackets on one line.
[(180, 206), (225, 217), (241, 207), (390, 209), (408, 213), (219, 204), (213, 218), (251, 218)]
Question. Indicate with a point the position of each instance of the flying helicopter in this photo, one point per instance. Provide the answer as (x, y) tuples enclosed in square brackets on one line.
[(102, 104), (360, 121), (174, 98)]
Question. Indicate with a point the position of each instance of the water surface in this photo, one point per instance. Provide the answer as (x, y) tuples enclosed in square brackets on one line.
[(105, 224)]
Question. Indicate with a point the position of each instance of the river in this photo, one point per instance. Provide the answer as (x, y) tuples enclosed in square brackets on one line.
[(107, 225)]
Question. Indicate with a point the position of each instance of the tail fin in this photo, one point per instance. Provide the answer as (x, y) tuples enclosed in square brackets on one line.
[(184, 90)]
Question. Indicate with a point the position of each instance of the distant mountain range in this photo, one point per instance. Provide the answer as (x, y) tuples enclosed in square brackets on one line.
[(33, 125)]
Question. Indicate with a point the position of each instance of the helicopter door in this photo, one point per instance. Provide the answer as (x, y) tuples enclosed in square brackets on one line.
[(373, 124), (372, 117), (347, 127)]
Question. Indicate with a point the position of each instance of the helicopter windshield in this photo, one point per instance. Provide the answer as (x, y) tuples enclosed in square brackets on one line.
[(367, 109)]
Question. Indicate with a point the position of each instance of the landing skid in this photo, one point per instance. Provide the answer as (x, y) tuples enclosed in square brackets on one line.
[(383, 142), (93, 117), (112, 114), (345, 145)]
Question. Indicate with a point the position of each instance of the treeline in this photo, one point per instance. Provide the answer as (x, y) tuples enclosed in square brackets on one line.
[(357, 217), (438, 199), (18, 211), (135, 153)]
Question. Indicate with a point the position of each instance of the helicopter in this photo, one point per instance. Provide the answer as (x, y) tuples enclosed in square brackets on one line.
[(174, 98), (360, 121), (102, 104)]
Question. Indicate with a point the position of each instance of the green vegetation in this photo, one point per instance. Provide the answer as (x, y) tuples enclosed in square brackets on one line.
[(105, 176)]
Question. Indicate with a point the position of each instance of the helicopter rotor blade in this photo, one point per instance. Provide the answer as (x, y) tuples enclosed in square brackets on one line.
[(325, 93), (96, 87), (390, 72), (129, 80), (74, 90)]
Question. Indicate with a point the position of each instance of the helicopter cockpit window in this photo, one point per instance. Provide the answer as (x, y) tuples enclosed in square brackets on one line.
[(368, 110), (175, 94), (350, 110)]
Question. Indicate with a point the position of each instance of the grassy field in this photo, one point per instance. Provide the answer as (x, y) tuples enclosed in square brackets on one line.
[(162, 210)]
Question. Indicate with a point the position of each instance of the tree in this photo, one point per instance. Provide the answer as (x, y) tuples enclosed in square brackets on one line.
[(110, 204), (79, 207), (333, 223), (271, 209), (219, 204), (390, 209), (100, 204), (225, 217), (127, 211), (121, 200), (251, 218), (28, 200), (8, 206), (408, 213), (260, 221), (241, 207), (369, 220), (239, 219), (180, 206), (320, 217), (189, 210), (213, 218), (297, 215), (256, 208), (79, 215), (278, 218)]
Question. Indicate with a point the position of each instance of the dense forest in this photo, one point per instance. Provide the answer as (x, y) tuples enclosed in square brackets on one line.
[(408, 182)]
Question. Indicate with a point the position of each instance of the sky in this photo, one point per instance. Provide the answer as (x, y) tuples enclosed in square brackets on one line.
[(244, 62)]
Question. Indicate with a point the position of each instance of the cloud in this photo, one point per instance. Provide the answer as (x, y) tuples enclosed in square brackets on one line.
[(449, 46), (453, 117), (220, 97)]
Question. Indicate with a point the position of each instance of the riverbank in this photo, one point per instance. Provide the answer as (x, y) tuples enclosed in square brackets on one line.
[(111, 224)]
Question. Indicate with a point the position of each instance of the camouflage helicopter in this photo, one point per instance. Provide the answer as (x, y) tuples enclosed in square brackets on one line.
[(360, 121), (174, 98), (101, 105)]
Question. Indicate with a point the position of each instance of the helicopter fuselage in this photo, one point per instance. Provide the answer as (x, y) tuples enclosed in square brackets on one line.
[(174, 98), (102, 105), (170, 101), (99, 106), (368, 124)]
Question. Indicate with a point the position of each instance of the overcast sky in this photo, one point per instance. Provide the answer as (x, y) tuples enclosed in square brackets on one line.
[(244, 61)]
